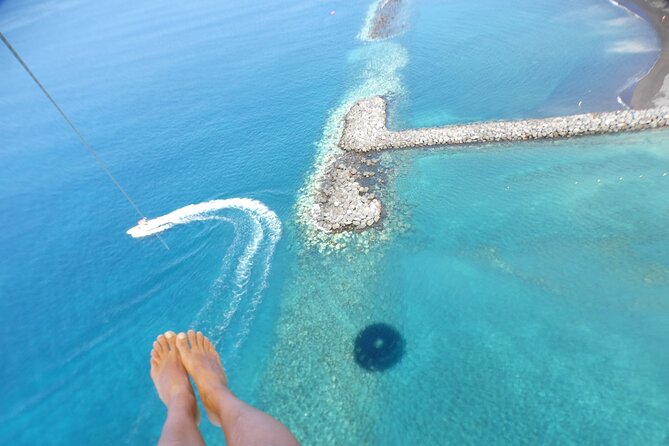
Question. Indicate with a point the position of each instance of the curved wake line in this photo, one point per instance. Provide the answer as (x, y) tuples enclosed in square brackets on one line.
[(265, 232), (204, 211)]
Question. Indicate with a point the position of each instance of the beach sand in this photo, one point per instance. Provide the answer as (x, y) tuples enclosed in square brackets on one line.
[(653, 89)]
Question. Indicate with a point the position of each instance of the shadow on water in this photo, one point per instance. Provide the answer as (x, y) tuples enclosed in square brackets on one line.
[(378, 347)]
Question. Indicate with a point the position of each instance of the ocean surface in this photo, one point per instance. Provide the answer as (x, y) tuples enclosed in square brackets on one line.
[(529, 282)]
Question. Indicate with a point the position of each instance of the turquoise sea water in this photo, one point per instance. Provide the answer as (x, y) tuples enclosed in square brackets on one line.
[(529, 281)]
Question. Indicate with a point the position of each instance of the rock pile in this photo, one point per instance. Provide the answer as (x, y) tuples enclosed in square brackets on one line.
[(365, 128), (387, 20), (343, 200)]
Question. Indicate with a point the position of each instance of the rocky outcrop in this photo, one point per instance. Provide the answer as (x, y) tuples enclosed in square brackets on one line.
[(343, 199), (387, 21)]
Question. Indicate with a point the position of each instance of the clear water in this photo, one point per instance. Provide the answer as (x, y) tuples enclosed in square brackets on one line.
[(588, 52), (530, 283)]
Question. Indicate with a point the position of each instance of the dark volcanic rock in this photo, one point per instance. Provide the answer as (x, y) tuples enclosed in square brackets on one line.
[(388, 20)]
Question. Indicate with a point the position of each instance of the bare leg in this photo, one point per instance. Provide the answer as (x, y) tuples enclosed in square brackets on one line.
[(175, 391), (243, 425)]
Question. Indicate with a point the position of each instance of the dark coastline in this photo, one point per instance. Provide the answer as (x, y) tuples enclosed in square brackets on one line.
[(647, 92), (650, 85)]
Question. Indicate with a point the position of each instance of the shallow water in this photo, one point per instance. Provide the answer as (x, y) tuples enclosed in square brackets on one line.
[(551, 310), (473, 61), (531, 291), (532, 298)]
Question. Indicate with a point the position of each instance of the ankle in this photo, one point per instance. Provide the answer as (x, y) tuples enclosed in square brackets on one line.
[(228, 406), (182, 402)]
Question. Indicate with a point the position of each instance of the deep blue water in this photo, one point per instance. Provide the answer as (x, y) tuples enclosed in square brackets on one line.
[(530, 282)]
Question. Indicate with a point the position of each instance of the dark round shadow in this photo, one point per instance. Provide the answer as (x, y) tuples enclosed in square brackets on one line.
[(378, 347)]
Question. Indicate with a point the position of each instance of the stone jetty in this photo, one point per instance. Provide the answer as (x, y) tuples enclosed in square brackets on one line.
[(365, 128), (345, 198)]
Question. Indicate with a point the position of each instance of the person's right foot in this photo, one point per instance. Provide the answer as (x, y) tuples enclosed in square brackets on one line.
[(203, 364), (170, 377)]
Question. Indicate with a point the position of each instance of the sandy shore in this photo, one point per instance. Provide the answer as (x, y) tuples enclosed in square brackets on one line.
[(653, 89)]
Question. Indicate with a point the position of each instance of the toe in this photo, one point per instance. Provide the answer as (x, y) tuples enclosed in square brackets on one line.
[(206, 344), (182, 343), (200, 340), (162, 340), (171, 340), (157, 348), (192, 338)]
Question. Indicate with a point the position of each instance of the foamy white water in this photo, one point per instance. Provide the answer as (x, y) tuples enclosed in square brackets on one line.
[(632, 47), (205, 211), (265, 231), (364, 33)]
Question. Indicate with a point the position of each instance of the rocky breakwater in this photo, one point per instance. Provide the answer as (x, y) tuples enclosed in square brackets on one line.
[(343, 198), (387, 20), (365, 128)]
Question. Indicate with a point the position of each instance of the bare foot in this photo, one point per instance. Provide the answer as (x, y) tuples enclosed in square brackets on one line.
[(204, 365), (169, 375)]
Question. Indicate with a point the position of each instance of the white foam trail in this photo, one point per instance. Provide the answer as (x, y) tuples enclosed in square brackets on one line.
[(265, 228), (227, 260), (221, 284), (364, 33), (204, 211), (243, 273), (249, 316), (621, 102)]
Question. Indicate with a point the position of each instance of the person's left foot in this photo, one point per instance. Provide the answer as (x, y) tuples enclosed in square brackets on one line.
[(169, 375)]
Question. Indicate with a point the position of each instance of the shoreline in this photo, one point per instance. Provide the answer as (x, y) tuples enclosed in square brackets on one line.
[(343, 195), (651, 87)]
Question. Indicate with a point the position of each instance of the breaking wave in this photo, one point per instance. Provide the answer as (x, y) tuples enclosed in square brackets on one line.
[(632, 47)]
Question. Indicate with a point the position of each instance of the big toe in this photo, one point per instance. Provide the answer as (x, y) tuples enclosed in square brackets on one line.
[(182, 344), (171, 338)]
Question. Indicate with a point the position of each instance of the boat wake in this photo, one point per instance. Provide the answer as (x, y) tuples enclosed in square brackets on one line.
[(241, 274)]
